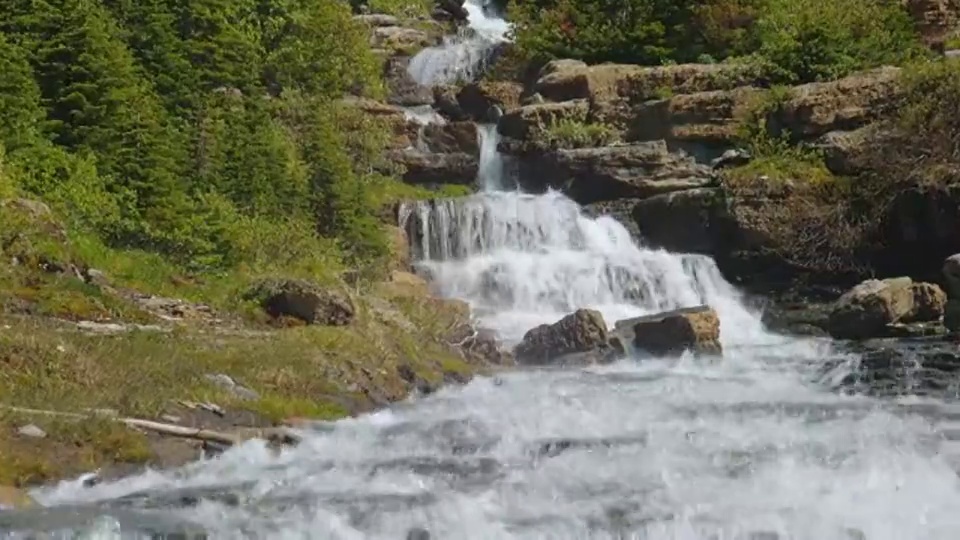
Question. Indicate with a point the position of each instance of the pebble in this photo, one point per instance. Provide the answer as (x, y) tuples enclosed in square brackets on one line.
[(32, 431)]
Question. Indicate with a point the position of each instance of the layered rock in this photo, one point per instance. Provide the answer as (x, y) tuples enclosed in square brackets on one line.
[(869, 309), (695, 329), (441, 154), (580, 337), (589, 175)]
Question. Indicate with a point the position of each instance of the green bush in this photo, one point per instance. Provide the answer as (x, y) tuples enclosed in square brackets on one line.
[(201, 132), (568, 133), (798, 40)]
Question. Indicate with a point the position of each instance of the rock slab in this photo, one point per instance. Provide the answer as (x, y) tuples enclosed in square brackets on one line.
[(868, 309), (695, 329), (582, 332), (303, 300)]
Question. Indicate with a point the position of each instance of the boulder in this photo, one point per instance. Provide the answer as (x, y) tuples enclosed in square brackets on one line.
[(695, 329), (951, 275), (951, 315), (443, 154), (869, 308), (580, 336), (816, 109), (477, 99), (689, 221), (529, 122), (607, 173), (13, 498), (401, 88), (483, 347), (845, 152), (303, 300)]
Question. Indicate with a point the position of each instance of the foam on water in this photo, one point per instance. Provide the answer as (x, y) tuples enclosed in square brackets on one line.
[(755, 447), (461, 56)]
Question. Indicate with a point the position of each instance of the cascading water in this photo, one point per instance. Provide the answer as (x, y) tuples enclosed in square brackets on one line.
[(462, 56), (749, 448)]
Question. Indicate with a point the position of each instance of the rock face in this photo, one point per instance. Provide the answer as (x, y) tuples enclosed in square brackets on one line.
[(582, 333), (695, 329), (951, 276), (609, 173), (303, 300), (870, 308), (477, 99), (441, 154)]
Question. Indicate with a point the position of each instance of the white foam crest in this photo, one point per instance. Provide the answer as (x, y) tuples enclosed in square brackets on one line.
[(521, 260), (461, 56)]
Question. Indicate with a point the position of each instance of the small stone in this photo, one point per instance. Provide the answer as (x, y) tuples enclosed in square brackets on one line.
[(227, 383), (32, 431), (418, 533)]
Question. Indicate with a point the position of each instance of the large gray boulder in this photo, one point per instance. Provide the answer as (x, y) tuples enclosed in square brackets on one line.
[(870, 308)]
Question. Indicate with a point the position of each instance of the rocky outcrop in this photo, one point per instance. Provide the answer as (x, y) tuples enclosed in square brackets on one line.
[(589, 175), (951, 277), (401, 88), (441, 154), (530, 121), (694, 329), (580, 337), (483, 347), (605, 84), (869, 309), (302, 300), (477, 100)]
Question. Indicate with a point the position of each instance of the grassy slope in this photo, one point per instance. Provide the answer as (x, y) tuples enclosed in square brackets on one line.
[(298, 371)]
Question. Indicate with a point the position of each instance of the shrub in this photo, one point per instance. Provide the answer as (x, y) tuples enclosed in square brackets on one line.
[(568, 133)]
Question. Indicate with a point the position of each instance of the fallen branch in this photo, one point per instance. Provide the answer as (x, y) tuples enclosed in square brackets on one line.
[(274, 435)]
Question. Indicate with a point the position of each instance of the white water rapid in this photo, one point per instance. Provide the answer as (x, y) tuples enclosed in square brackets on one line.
[(461, 56), (758, 446)]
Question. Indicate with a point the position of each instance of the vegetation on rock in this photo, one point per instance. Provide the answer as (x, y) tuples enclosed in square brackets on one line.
[(797, 41)]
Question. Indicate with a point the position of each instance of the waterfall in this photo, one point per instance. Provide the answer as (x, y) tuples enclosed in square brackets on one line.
[(463, 55)]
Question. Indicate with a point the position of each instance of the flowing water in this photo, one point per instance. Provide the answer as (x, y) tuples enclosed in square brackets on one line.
[(758, 446), (461, 56)]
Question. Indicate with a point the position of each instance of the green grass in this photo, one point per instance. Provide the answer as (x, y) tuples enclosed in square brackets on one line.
[(567, 133)]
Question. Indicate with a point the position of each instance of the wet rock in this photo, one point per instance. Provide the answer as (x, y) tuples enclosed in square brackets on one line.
[(583, 331), (31, 431), (13, 498), (918, 366), (866, 310), (799, 318), (402, 90), (695, 329), (477, 100), (951, 275), (443, 154), (951, 315), (484, 347), (303, 300)]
